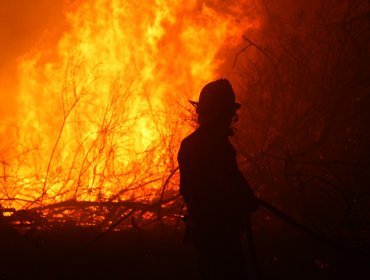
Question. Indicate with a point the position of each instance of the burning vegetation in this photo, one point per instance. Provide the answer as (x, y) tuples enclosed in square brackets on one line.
[(92, 117), (99, 115)]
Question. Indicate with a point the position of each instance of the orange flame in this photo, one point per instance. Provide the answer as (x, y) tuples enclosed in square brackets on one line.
[(100, 116)]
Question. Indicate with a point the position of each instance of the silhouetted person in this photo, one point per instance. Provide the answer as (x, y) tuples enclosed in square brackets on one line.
[(217, 196)]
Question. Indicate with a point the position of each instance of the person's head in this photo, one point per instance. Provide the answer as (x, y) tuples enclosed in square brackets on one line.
[(216, 105)]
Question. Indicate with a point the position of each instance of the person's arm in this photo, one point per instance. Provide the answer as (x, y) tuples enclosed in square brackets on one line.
[(242, 184), (185, 175), (248, 193)]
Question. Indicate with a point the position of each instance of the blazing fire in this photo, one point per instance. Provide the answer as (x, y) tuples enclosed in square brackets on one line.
[(100, 115)]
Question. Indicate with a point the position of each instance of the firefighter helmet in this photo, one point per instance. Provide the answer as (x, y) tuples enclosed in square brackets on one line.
[(216, 97)]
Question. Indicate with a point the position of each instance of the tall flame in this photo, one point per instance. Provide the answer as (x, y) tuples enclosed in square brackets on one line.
[(100, 116)]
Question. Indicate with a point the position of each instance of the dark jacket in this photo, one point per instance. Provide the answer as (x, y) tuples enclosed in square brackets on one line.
[(211, 183)]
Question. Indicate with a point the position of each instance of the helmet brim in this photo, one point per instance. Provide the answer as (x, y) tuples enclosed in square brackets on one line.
[(195, 104)]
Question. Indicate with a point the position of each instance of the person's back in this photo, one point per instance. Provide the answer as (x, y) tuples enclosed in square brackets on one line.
[(217, 195), (211, 182)]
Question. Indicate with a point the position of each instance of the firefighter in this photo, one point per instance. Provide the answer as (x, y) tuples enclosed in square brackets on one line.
[(217, 196)]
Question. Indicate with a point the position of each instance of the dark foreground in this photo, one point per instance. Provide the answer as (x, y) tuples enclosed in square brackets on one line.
[(67, 253)]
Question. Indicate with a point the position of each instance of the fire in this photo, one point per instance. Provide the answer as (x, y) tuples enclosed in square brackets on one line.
[(100, 115)]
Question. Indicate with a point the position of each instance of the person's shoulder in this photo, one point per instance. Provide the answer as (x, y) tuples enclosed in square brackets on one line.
[(191, 143), (191, 138)]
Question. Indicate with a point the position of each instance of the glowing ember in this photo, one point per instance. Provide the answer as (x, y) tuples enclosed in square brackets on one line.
[(99, 115)]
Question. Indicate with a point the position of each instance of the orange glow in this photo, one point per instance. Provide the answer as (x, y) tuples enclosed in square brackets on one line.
[(100, 115)]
